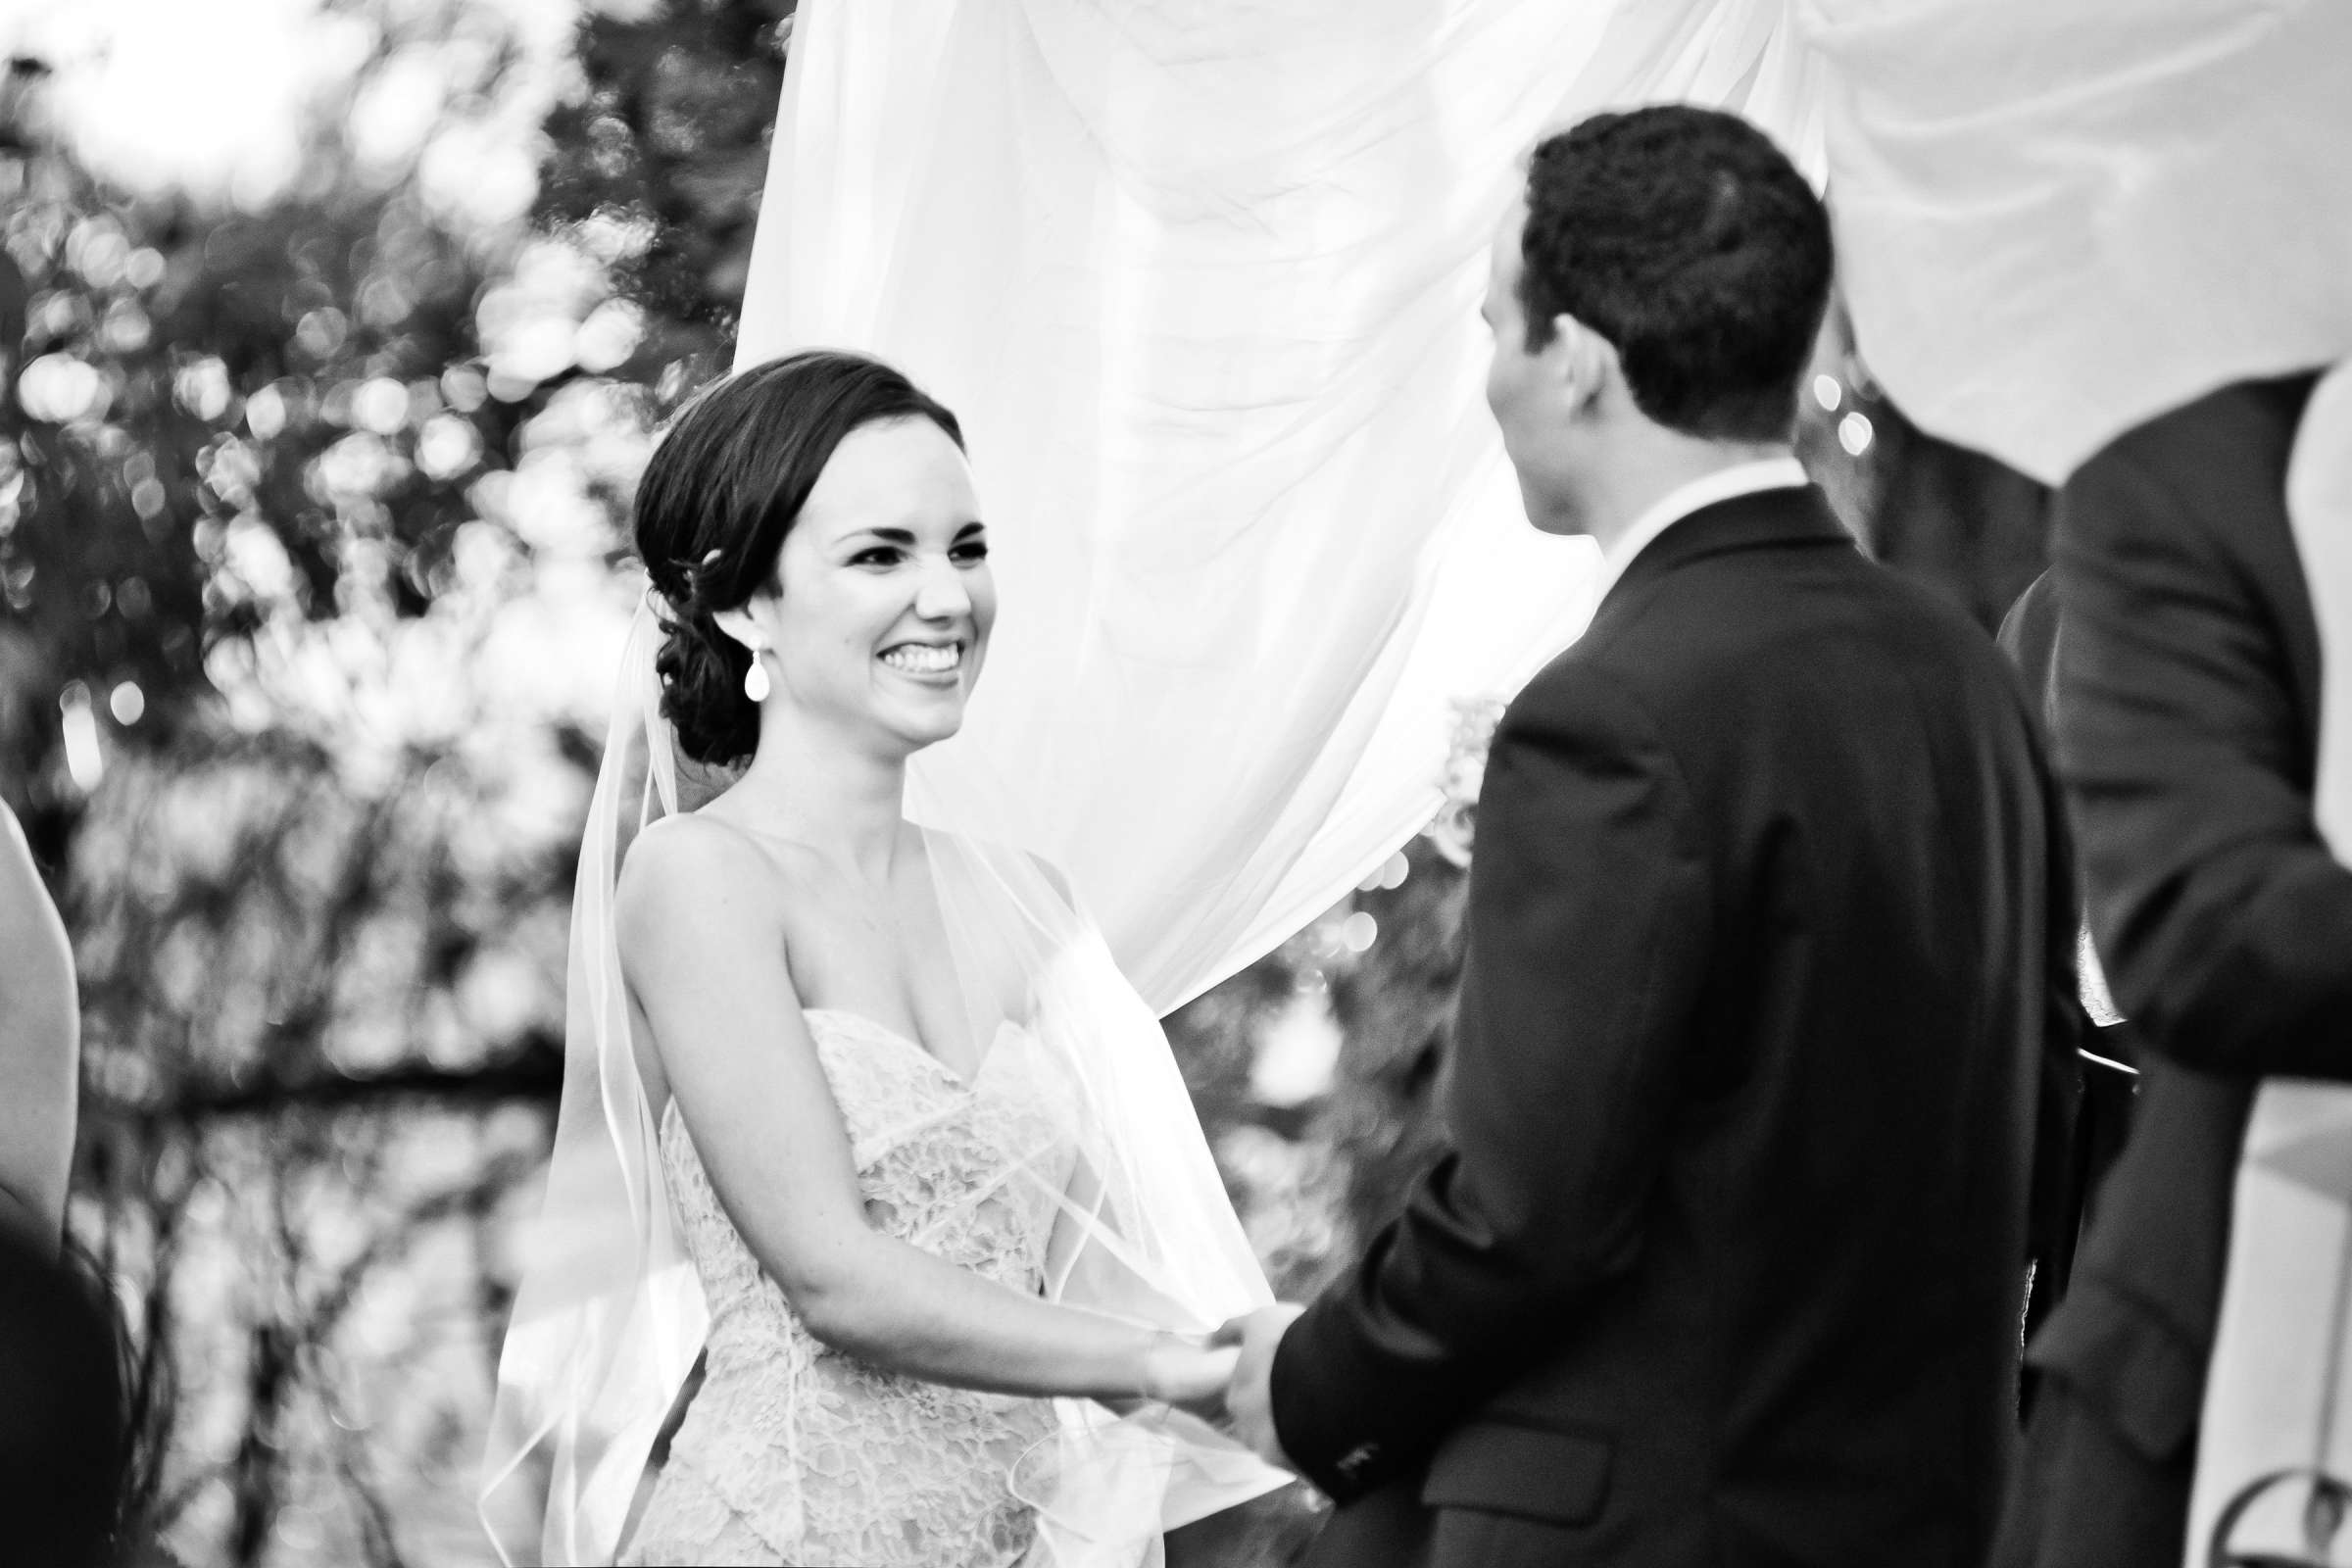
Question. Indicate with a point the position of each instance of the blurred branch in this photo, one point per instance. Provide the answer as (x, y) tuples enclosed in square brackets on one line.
[(376, 1536), (256, 1470), (534, 1073), (472, 1198)]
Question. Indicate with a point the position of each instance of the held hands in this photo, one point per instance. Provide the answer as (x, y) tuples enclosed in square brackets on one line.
[(1190, 1371), (1226, 1377), (1248, 1398)]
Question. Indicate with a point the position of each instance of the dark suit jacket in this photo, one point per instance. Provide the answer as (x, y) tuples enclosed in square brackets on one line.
[(1769, 942), (2188, 717)]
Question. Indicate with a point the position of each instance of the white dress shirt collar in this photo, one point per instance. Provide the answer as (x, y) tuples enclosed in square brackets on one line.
[(1739, 479)]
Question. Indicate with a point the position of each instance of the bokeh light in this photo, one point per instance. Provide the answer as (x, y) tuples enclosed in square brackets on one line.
[(83, 758), (60, 389)]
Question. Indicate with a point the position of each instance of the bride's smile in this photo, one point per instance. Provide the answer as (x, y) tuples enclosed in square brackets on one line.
[(933, 664)]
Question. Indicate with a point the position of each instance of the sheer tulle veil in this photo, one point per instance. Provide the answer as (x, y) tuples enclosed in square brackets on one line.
[(610, 1316)]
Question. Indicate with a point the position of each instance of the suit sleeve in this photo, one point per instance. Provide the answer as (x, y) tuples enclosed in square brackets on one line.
[(2224, 922), (1589, 923)]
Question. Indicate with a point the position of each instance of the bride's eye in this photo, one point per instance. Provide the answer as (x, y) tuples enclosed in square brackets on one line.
[(877, 555), (970, 552)]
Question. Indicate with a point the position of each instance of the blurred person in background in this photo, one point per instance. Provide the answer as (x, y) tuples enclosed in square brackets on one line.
[(41, 1031), (2189, 729), (67, 1440)]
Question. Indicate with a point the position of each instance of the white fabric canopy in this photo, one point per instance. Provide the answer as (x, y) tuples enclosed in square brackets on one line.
[(1203, 281), (2058, 219)]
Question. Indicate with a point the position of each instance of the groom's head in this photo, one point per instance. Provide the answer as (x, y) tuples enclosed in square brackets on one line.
[(1659, 285)]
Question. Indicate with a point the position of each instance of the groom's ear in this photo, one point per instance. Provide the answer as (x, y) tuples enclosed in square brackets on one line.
[(1585, 361)]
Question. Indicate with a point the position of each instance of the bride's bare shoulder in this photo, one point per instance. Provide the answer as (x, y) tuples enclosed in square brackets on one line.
[(694, 868)]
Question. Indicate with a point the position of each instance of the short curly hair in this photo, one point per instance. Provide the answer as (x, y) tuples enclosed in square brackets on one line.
[(1689, 242)]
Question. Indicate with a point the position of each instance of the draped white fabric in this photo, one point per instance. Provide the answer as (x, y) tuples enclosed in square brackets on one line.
[(1203, 281), (2056, 220)]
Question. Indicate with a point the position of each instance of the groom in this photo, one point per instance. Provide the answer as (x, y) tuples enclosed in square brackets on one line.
[(1769, 955)]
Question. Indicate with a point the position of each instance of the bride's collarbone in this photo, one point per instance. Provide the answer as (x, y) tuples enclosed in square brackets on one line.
[(848, 960), (880, 953)]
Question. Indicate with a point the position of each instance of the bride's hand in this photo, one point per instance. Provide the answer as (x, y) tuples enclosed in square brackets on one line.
[(1190, 1372)]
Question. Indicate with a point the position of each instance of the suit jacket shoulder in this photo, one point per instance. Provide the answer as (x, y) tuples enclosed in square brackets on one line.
[(2187, 738), (2203, 485), (1756, 634)]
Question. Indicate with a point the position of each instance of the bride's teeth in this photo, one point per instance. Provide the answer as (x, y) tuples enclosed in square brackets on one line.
[(921, 660)]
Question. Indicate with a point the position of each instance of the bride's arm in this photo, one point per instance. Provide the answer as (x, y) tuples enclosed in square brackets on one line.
[(703, 946)]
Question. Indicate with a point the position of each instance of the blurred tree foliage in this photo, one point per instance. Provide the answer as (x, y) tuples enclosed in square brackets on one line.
[(225, 418), (307, 526), (320, 1021), (671, 133)]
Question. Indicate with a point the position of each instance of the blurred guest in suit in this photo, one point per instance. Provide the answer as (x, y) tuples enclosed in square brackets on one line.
[(2188, 728)]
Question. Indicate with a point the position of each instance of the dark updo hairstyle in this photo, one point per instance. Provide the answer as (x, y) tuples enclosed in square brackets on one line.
[(718, 496), (1689, 242)]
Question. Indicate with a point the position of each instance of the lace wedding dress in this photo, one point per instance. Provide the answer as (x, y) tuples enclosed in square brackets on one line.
[(794, 1453), (1070, 1165)]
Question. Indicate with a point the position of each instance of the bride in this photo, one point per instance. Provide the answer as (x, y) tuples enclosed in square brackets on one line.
[(927, 1154)]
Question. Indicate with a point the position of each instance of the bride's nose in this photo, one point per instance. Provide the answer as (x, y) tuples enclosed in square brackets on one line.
[(940, 595)]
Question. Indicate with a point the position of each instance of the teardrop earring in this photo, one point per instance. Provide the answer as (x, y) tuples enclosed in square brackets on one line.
[(755, 679)]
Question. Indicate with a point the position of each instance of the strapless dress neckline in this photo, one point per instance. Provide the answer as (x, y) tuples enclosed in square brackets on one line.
[(875, 1027)]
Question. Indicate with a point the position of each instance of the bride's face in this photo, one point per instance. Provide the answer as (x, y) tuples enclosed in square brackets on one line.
[(886, 601)]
